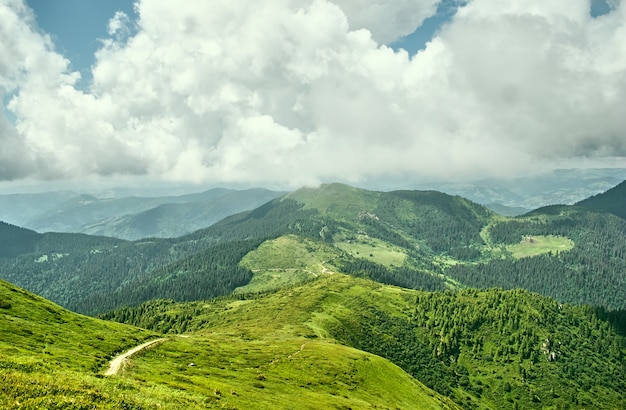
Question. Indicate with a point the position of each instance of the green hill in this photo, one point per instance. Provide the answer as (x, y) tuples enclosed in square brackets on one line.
[(566, 252), (52, 358), (485, 349)]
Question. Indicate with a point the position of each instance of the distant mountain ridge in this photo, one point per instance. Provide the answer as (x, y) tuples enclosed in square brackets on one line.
[(133, 217), (520, 195), (15, 240), (612, 201)]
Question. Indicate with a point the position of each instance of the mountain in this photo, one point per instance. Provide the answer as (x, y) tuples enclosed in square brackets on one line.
[(177, 219), (414, 239), (490, 349), (331, 297), (15, 240), (612, 201), (18, 209), (53, 358), (136, 217)]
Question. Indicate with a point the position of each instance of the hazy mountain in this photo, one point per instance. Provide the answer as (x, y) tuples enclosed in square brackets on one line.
[(565, 186), (138, 217), (177, 219), (18, 209), (507, 210)]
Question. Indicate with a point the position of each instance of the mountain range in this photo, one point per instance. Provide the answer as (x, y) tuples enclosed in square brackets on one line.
[(333, 296), (114, 213), (128, 217)]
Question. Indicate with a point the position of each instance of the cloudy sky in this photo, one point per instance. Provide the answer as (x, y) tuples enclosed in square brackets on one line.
[(284, 93)]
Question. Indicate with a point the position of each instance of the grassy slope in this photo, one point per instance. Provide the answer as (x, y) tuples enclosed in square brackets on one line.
[(52, 358), (337, 200), (265, 353), (285, 261), (539, 245), (280, 372), (484, 347)]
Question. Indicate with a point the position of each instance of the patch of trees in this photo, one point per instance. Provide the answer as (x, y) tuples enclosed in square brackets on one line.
[(399, 276), (445, 224), (512, 348), (207, 274), (593, 272)]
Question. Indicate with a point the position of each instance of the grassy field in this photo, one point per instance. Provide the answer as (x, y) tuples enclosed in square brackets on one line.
[(338, 200), (540, 244), (286, 261), (373, 249), (278, 373), (53, 358)]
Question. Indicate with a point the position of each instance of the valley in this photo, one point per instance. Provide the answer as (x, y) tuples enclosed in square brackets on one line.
[(328, 297)]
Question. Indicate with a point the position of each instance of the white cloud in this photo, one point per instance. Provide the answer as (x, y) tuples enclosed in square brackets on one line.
[(294, 92), (119, 25), (387, 20)]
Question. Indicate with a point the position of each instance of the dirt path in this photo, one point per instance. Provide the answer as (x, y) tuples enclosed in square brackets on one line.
[(116, 363)]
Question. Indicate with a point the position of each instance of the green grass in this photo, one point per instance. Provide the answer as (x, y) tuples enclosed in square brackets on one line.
[(53, 358), (540, 244), (267, 353), (246, 354), (373, 249), (298, 338), (279, 373), (39, 333), (338, 200), (286, 261)]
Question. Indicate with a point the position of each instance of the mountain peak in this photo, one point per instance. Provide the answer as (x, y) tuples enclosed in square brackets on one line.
[(336, 199)]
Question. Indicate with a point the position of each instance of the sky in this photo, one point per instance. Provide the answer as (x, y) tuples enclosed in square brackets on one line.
[(285, 93)]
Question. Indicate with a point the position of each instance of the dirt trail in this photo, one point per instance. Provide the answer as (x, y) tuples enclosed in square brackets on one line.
[(116, 363)]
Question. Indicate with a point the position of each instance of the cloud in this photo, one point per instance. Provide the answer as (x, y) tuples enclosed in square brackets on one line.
[(119, 25), (387, 21), (293, 92)]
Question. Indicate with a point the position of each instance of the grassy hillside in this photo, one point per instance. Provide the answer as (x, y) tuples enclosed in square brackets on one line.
[(52, 358), (485, 349)]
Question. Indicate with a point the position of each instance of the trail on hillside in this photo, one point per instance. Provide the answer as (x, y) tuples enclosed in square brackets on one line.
[(116, 363)]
